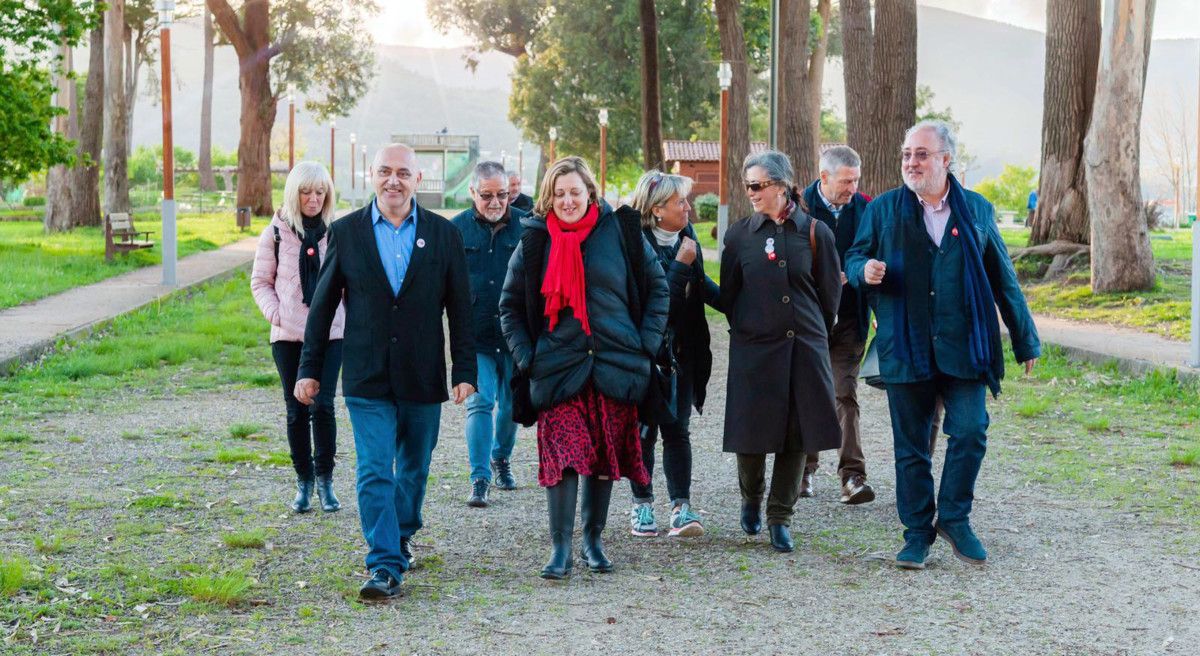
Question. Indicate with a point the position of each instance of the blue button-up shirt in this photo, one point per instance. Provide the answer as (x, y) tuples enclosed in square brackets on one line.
[(395, 244)]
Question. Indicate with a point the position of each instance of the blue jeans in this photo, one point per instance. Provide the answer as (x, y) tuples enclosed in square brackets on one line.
[(490, 437), (393, 441), (912, 410)]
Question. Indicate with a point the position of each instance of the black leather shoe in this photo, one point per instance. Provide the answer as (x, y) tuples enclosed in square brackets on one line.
[(751, 517), (380, 586), (303, 501), (781, 538), (504, 479), (329, 501), (406, 550), (806, 485), (479, 493)]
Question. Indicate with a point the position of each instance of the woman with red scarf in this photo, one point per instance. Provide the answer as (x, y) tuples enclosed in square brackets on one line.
[(581, 325)]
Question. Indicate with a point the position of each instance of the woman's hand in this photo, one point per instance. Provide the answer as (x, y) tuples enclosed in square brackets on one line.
[(687, 251)]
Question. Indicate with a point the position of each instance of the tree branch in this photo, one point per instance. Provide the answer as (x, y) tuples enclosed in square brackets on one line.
[(227, 20)]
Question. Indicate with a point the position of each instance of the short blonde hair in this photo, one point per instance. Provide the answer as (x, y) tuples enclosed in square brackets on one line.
[(654, 189), (564, 166), (306, 175)]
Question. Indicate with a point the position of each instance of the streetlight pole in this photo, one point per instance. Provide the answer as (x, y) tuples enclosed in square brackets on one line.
[(353, 140), (773, 122), (166, 14), (364, 169), (291, 126), (553, 143), (603, 149), (332, 151), (724, 78)]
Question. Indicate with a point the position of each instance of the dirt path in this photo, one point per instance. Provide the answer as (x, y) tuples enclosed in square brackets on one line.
[(1067, 576)]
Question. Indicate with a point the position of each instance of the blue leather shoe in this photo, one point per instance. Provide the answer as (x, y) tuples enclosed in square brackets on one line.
[(914, 553), (966, 546)]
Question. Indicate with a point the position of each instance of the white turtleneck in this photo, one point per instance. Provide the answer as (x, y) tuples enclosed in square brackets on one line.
[(665, 237)]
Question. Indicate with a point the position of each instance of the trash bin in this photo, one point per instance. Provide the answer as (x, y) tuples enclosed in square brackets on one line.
[(243, 218)]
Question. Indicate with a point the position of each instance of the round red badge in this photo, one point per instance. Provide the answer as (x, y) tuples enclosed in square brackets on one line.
[(311, 251), (954, 231)]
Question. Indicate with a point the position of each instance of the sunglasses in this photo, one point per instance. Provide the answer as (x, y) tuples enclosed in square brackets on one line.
[(759, 186), (487, 197)]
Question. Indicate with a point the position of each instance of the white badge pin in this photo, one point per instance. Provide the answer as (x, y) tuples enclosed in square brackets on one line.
[(420, 243)]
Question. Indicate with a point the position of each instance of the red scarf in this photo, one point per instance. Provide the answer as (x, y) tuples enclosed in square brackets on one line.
[(563, 285)]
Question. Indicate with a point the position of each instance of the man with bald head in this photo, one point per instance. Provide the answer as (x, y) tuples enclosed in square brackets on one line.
[(397, 267)]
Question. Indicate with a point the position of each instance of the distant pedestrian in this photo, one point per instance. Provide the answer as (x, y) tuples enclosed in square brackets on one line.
[(661, 198), (931, 253), (491, 231), (400, 268), (1031, 206), (284, 277), (780, 283), (516, 198)]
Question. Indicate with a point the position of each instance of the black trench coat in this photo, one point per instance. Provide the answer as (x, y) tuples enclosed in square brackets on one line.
[(780, 313)]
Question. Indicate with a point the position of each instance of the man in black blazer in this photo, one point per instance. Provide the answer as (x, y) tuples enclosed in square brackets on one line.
[(834, 200), (396, 266), (515, 197)]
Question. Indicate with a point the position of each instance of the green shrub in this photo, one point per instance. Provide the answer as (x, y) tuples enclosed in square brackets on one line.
[(34, 201), (255, 538), (14, 573), (229, 589), (706, 207)]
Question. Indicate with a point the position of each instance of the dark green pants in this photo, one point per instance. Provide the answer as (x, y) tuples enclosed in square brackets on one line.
[(785, 483)]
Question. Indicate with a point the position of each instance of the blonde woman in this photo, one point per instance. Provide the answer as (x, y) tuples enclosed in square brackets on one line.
[(662, 200), (284, 277)]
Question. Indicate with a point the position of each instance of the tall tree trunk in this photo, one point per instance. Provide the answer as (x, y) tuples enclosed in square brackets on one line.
[(250, 38), (57, 217), (816, 71), (132, 65), (1121, 256), (116, 164), (733, 50), (207, 181), (91, 129), (794, 130), (881, 85), (1072, 54), (652, 152)]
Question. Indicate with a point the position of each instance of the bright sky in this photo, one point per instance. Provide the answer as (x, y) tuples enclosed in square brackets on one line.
[(405, 22)]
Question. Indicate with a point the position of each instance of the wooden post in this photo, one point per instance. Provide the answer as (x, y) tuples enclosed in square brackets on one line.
[(169, 252)]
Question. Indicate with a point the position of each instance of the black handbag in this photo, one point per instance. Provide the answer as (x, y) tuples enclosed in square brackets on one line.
[(658, 407), (523, 411)]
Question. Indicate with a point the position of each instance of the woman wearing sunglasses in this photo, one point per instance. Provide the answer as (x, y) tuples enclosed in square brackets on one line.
[(780, 284)]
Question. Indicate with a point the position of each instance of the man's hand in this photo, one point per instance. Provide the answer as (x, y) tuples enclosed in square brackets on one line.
[(462, 391), (307, 390), (844, 278), (874, 271), (687, 251), (1029, 366)]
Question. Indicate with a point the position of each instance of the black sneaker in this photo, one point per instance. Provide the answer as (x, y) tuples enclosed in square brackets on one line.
[(479, 493), (504, 478), (381, 585)]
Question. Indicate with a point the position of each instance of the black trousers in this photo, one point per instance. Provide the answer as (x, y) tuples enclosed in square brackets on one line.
[(676, 445), (311, 429)]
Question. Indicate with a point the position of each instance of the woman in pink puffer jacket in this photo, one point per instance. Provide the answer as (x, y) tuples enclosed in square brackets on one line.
[(286, 268)]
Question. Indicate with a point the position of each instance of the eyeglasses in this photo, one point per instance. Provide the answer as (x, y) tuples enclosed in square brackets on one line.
[(487, 197), (919, 155), (759, 186)]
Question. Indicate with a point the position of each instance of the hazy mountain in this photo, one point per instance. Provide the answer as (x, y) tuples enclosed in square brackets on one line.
[(989, 73)]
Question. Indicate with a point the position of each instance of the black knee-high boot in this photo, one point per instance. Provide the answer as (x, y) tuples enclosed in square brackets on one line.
[(593, 510), (560, 500)]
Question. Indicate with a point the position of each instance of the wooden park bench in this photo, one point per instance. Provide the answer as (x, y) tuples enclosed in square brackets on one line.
[(120, 235)]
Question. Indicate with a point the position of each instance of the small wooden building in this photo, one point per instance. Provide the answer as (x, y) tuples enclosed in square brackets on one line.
[(698, 161)]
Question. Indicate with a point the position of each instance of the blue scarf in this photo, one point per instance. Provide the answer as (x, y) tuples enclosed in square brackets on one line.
[(980, 303)]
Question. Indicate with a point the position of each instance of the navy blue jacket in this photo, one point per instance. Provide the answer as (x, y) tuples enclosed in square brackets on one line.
[(616, 356), (938, 317), (488, 254), (853, 306)]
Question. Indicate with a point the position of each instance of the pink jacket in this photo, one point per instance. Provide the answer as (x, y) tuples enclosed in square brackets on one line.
[(276, 286)]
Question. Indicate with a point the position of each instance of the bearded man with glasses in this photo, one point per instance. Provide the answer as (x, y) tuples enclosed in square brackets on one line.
[(491, 231), (931, 258)]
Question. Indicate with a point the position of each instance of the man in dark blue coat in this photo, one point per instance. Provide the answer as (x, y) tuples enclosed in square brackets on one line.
[(491, 231), (932, 254), (516, 198), (834, 200)]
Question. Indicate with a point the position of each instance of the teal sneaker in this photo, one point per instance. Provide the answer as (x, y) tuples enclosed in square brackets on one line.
[(685, 523), (641, 519)]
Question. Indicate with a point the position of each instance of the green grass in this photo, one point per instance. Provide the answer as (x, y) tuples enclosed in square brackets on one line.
[(14, 574), (250, 539), (247, 431), (8, 437), (155, 501), (1031, 407), (1185, 457), (1167, 244), (227, 589), (37, 265), (50, 545), (1164, 310)]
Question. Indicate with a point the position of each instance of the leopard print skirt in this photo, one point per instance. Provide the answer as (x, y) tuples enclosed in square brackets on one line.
[(591, 434)]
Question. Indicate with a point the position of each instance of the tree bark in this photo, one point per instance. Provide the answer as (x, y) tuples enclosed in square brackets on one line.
[(57, 217), (207, 181), (1072, 54), (733, 50), (250, 37), (86, 195), (116, 164), (816, 72), (1121, 256), (794, 129), (881, 85), (652, 153)]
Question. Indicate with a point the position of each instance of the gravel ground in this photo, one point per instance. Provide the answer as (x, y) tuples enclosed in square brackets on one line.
[(1066, 575)]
